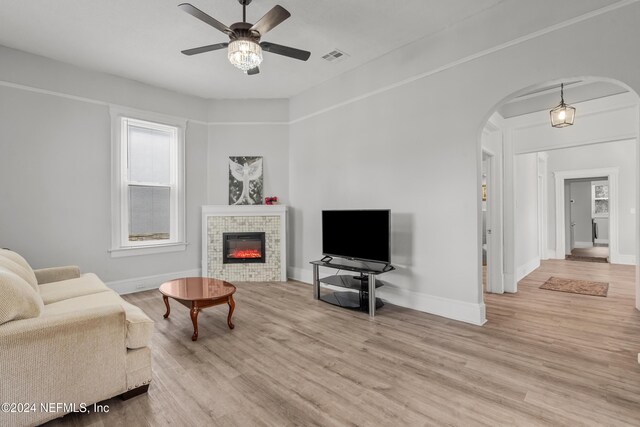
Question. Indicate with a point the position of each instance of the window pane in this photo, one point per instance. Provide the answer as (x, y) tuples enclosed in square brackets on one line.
[(149, 155), (602, 206), (602, 191), (149, 212)]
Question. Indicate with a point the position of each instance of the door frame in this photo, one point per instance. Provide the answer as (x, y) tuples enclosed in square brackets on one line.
[(612, 175), (495, 280), (542, 205)]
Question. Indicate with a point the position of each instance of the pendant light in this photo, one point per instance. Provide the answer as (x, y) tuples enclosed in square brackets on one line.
[(563, 114)]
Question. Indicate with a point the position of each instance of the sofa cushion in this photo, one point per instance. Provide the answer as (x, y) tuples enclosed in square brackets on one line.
[(18, 300), (18, 265), (139, 326), (86, 284)]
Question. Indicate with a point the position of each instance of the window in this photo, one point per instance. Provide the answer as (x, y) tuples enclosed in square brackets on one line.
[(600, 199), (148, 183)]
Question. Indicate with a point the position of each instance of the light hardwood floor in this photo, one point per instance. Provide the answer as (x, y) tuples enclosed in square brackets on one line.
[(543, 358), (596, 251)]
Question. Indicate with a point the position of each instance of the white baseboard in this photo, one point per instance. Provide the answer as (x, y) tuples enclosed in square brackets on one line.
[(300, 274), (605, 241), (474, 313), (139, 284), (622, 259), (467, 312), (527, 268), (582, 245)]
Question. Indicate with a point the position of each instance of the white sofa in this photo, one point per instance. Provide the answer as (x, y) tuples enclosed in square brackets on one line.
[(66, 338)]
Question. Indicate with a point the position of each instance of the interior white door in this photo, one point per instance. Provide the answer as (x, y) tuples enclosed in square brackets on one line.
[(572, 227)]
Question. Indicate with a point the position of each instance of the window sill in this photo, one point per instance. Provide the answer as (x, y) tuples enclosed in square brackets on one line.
[(147, 250)]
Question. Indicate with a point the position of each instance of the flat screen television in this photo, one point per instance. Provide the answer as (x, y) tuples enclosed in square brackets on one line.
[(357, 234)]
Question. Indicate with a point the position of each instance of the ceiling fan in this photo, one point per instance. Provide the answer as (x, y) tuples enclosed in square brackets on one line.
[(244, 46)]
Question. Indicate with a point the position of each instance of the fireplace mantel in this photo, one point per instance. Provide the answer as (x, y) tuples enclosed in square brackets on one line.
[(217, 219)]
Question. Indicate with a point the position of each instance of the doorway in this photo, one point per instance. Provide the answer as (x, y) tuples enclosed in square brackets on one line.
[(486, 221), (587, 215), (491, 218), (587, 229)]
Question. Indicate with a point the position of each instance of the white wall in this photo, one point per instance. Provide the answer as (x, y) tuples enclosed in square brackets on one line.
[(55, 142), (620, 154), (402, 133), (527, 256), (55, 170), (249, 128)]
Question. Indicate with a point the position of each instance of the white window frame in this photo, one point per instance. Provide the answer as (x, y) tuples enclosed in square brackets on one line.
[(593, 199), (120, 244)]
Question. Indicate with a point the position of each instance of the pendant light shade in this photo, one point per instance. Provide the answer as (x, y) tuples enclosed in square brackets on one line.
[(563, 114)]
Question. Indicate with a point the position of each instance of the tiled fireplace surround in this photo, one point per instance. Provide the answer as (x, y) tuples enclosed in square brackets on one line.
[(258, 218)]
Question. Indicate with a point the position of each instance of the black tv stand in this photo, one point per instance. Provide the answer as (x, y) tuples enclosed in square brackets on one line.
[(365, 283)]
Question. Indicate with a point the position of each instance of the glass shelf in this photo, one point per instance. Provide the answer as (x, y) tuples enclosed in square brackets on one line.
[(350, 282)]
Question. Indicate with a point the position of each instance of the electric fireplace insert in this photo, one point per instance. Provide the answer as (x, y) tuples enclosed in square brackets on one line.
[(243, 248)]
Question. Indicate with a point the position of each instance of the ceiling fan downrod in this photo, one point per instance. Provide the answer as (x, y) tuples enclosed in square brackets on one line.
[(244, 4)]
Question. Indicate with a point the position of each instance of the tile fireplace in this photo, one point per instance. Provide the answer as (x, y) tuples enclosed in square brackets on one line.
[(244, 243)]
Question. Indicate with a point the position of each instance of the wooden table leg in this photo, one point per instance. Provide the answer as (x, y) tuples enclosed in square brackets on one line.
[(194, 319), (166, 303), (232, 305)]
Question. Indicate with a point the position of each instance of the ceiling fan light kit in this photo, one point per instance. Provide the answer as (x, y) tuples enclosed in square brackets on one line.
[(563, 114), (245, 54), (244, 46)]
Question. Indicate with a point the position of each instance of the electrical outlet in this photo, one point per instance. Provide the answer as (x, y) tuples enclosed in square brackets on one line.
[(139, 286)]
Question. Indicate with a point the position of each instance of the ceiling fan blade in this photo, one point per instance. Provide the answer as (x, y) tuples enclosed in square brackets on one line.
[(291, 52), (269, 21), (253, 71), (197, 13), (203, 49)]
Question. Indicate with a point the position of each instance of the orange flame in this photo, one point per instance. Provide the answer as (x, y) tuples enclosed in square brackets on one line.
[(247, 253)]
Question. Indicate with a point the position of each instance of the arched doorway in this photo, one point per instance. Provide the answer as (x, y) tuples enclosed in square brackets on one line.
[(520, 126)]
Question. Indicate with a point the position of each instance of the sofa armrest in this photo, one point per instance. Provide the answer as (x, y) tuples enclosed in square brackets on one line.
[(77, 357), (57, 274)]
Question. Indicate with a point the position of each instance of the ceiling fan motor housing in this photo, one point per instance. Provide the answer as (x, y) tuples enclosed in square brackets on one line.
[(242, 30)]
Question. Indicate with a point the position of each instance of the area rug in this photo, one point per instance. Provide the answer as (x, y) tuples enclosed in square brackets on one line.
[(583, 287), (585, 258)]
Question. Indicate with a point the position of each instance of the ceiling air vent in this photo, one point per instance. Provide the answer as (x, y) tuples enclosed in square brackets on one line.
[(335, 55)]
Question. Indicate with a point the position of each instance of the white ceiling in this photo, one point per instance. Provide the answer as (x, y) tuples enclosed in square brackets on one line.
[(548, 96), (142, 39)]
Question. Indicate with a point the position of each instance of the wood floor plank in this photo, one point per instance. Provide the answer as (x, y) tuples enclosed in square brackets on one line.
[(543, 358)]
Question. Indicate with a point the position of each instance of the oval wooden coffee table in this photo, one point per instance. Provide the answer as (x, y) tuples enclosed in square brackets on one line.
[(197, 293)]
